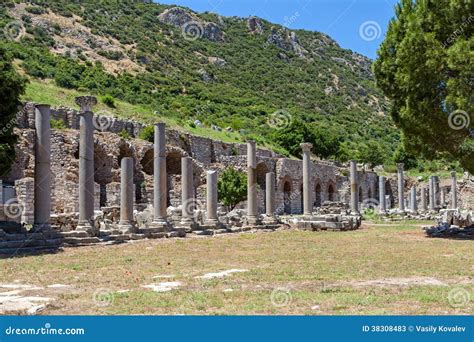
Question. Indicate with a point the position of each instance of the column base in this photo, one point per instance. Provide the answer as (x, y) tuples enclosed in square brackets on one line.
[(42, 227), (187, 225), (159, 226), (253, 221), (269, 220), (213, 224), (85, 226), (126, 227)]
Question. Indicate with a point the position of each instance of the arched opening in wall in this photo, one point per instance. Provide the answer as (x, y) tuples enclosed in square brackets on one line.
[(377, 191), (103, 166), (301, 199), (331, 193), (369, 193), (261, 172), (173, 163), (287, 197), (361, 195), (147, 162), (389, 193), (318, 198), (173, 172)]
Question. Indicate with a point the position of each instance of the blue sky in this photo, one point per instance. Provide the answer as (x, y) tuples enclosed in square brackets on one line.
[(359, 25)]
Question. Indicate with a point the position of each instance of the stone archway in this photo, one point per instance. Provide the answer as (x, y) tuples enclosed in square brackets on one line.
[(287, 197), (147, 162), (331, 192), (261, 173), (318, 197), (361, 194), (389, 193), (173, 172), (301, 199)]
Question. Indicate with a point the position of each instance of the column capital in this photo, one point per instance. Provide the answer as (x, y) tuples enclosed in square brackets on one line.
[(453, 174), (42, 105), (400, 166), (306, 146), (86, 102)]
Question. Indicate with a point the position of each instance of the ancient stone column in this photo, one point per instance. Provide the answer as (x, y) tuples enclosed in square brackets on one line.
[(454, 189), (187, 196), (442, 200), (270, 193), (382, 203), (307, 201), (160, 187), (432, 194), (436, 191), (42, 197), (413, 203), (126, 196), (211, 180), (423, 199), (270, 198), (86, 163), (354, 187), (401, 187), (252, 209)]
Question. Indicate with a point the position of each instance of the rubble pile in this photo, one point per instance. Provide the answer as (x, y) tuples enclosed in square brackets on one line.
[(453, 223)]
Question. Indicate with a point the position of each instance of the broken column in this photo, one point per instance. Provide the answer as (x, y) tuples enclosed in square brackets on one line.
[(307, 201), (160, 187), (424, 205), (270, 198), (401, 187), (413, 204), (382, 202), (86, 163), (126, 196), (211, 196), (454, 189), (354, 188), (187, 194), (432, 194), (42, 196), (252, 209)]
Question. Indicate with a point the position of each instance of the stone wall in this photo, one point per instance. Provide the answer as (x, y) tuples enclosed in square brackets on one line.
[(329, 181)]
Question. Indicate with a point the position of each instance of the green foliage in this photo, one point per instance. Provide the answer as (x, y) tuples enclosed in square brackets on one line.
[(170, 79), (57, 124), (12, 86), (124, 134), (232, 187), (148, 134), (108, 100), (425, 67)]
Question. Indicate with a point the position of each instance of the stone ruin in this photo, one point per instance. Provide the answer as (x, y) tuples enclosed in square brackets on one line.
[(86, 184)]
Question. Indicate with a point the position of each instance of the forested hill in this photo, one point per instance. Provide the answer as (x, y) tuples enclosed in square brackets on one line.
[(269, 83)]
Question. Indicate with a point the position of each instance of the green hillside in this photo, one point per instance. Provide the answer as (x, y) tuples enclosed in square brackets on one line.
[(260, 80)]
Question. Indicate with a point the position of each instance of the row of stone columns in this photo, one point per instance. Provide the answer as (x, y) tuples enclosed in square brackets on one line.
[(160, 222)]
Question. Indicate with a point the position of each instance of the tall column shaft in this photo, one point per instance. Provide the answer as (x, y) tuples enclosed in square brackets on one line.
[(252, 207), (86, 171), (454, 191), (42, 197), (354, 187), (307, 202), (160, 187), (382, 202), (432, 194), (211, 180), (413, 203), (270, 193), (424, 205), (126, 194), (187, 195), (401, 187)]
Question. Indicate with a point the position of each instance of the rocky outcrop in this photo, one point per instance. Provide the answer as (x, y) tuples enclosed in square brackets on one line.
[(255, 25), (287, 41), (191, 24)]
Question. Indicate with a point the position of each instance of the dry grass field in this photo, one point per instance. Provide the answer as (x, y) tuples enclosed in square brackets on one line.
[(379, 269)]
